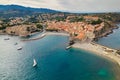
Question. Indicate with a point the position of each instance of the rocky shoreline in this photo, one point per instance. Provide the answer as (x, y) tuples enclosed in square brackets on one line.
[(106, 33), (20, 30)]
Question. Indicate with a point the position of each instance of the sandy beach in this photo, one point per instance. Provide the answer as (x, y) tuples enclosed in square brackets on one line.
[(103, 51), (99, 50)]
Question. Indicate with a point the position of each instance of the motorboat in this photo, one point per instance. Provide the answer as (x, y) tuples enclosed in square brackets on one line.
[(19, 48)]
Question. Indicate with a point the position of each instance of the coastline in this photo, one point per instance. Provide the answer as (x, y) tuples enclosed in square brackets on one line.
[(97, 49), (100, 50), (108, 32), (47, 33), (92, 47), (104, 52)]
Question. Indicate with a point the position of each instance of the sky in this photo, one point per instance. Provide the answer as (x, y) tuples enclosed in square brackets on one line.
[(70, 5)]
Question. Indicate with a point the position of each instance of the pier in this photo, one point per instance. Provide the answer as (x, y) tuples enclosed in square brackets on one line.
[(41, 36)]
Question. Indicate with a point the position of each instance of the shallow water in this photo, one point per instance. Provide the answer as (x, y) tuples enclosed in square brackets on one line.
[(53, 61)]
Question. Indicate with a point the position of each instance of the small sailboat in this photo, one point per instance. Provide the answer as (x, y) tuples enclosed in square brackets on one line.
[(34, 63), (19, 48)]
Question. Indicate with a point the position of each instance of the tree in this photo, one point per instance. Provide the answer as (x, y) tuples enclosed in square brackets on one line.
[(3, 26), (94, 22), (77, 19), (28, 28), (39, 26)]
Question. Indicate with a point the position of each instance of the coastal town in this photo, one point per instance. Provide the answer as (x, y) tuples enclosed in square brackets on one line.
[(46, 44), (84, 28)]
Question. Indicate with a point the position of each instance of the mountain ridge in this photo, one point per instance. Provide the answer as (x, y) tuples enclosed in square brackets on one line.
[(18, 10), (7, 7)]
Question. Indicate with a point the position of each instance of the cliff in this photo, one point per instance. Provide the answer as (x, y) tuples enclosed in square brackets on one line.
[(107, 28)]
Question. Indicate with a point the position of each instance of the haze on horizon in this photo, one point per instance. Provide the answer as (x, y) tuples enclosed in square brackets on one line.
[(69, 5)]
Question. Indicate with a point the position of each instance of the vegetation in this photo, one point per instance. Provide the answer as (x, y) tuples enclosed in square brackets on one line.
[(77, 19), (60, 19), (94, 22), (2, 28), (28, 28), (39, 26), (52, 30), (118, 51), (33, 20), (114, 17)]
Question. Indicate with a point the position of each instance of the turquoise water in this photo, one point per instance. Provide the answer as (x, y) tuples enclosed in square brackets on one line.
[(112, 40), (53, 61)]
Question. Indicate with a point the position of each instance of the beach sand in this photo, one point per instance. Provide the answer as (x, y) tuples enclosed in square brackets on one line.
[(99, 50), (102, 51)]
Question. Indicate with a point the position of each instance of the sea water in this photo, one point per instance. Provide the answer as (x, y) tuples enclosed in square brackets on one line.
[(54, 62), (112, 40)]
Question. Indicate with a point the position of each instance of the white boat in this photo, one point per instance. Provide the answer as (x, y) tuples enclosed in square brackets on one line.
[(34, 63), (43, 35), (68, 47), (6, 38), (19, 48)]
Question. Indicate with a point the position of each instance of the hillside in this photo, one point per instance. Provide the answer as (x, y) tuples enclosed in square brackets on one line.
[(20, 11)]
